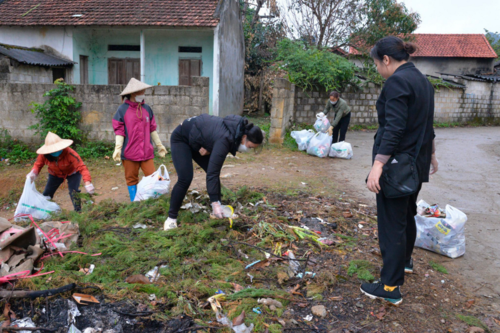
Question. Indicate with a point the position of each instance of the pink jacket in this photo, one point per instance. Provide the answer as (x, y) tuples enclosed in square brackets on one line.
[(135, 122)]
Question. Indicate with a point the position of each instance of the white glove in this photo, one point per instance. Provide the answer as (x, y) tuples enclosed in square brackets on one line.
[(90, 188), (162, 151), (117, 155), (320, 115), (434, 164), (32, 176), (217, 210)]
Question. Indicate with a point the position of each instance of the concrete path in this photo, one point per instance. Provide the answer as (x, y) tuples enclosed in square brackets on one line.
[(468, 179)]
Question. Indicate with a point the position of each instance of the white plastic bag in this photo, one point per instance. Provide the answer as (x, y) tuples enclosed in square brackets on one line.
[(322, 123), (302, 138), (34, 203), (319, 145), (445, 236), (341, 150), (153, 185)]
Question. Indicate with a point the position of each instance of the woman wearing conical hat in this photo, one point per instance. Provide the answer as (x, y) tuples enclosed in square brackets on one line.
[(135, 129), (64, 164)]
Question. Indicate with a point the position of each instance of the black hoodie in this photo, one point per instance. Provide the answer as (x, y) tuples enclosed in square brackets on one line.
[(219, 136)]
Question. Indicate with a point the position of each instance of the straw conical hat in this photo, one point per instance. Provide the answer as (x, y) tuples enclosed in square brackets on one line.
[(133, 86), (53, 143)]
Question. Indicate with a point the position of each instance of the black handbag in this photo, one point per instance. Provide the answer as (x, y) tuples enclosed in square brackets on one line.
[(399, 175)]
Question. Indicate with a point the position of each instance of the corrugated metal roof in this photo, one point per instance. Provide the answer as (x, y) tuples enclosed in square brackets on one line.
[(36, 58), (493, 77)]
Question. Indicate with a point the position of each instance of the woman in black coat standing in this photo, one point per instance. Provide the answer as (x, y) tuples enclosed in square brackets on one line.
[(405, 114), (207, 140)]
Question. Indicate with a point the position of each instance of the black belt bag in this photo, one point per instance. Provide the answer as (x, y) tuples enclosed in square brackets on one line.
[(399, 176)]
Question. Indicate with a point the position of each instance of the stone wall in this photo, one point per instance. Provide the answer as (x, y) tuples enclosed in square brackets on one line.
[(13, 72), (170, 104), (477, 101)]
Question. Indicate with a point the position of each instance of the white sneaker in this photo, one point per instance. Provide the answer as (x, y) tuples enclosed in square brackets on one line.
[(170, 224)]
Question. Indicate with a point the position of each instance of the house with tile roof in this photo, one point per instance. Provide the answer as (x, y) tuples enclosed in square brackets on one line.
[(448, 53), (161, 42)]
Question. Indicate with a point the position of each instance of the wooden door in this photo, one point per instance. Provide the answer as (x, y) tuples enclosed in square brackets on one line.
[(120, 71), (187, 69), (84, 69)]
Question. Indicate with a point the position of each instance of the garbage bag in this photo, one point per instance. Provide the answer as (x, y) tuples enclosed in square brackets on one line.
[(319, 145), (153, 185), (34, 203), (341, 150), (322, 123), (445, 236), (302, 138)]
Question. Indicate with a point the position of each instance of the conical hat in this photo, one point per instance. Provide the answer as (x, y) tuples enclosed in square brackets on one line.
[(53, 143), (133, 86)]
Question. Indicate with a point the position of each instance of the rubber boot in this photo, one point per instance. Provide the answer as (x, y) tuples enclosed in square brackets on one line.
[(132, 190)]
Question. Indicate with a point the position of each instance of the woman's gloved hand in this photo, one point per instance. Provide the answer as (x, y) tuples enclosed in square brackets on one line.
[(330, 131), (217, 210), (89, 188), (162, 151), (32, 176), (434, 164), (117, 155)]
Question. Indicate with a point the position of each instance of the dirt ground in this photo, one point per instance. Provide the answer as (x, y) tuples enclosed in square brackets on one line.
[(468, 179)]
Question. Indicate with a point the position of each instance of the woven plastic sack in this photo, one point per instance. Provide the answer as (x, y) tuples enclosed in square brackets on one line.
[(153, 185), (322, 123), (302, 138), (341, 150), (445, 236), (319, 145), (34, 203)]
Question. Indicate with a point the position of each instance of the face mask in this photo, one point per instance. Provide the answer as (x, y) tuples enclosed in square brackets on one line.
[(333, 103), (57, 153), (140, 98), (243, 149)]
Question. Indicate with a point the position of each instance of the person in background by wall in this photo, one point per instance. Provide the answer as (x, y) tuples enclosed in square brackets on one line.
[(405, 110), (341, 116), (135, 129), (207, 140), (64, 164)]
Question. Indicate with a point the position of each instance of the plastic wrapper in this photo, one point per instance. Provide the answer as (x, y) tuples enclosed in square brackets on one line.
[(341, 150), (445, 236), (34, 203), (302, 138), (319, 145)]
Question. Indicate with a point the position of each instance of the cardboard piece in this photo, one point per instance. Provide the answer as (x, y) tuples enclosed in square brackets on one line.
[(84, 299)]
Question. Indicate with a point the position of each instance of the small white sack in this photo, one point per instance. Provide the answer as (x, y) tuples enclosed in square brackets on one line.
[(341, 150), (34, 203), (322, 123), (154, 185), (445, 236), (319, 145), (302, 138)]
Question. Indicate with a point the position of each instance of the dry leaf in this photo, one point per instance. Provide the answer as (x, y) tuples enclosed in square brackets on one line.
[(302, 305), (282, 277), (237, 287), (240, 319), (347, 214), (138, 278), (260, 264), (470, 303), (336, 298)]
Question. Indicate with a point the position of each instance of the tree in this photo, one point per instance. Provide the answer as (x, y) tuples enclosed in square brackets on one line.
[(381, 18), (321, 23), (494, 39)]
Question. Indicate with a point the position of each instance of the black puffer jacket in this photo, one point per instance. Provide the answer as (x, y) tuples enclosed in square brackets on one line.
[(219, 136)]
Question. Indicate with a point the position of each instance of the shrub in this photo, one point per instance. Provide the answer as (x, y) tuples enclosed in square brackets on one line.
[(15, 151)]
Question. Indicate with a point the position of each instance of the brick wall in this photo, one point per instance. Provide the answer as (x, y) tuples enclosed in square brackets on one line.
[(170, 104), (23, 73)]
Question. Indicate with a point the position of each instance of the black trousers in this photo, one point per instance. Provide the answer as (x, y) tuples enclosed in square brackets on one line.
[(183, 156), (341, 127), (74, 181), (397, 232)]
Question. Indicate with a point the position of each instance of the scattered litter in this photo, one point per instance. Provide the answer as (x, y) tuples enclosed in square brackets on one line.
[(251, 277), (138, 278), (360, 226), (228, 166), (83, 299), (154, 274), (257, 310), (73, 329), (242, 254), (152, 297), (258, 264), (326, 241), (269, 302), (293, 265), (301, 275), (308, 318), (87, 271), (25, 322), (140, 226), (115, 188), (73, 312), (442, 281)]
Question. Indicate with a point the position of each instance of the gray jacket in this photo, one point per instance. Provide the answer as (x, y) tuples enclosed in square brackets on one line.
[(339, 110)]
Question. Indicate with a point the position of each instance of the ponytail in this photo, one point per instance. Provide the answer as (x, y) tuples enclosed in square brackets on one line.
[(254, 133)]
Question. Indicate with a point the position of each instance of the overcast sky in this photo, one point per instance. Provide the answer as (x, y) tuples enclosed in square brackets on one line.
[(456, 16)]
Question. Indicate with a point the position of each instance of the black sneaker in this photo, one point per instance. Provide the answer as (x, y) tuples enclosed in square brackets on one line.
[(376, 290), (409, 267)]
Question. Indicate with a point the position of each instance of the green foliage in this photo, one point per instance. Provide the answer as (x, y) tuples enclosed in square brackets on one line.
[(494, 39), (472, 321), (14, 150), (314, 69), (437, 83), (381, 18), (362, 268), (438, 267), (58, 114), (95, 149)]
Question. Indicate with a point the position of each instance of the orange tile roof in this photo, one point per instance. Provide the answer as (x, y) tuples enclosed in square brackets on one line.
[(172, 13), (449, 45)]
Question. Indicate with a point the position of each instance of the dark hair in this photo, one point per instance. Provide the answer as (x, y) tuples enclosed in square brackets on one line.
[(334, 94), (126, 97), (253, 133), (51, 158), (393, 47)]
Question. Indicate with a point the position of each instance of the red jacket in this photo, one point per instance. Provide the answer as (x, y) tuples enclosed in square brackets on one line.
[(68, 163)]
